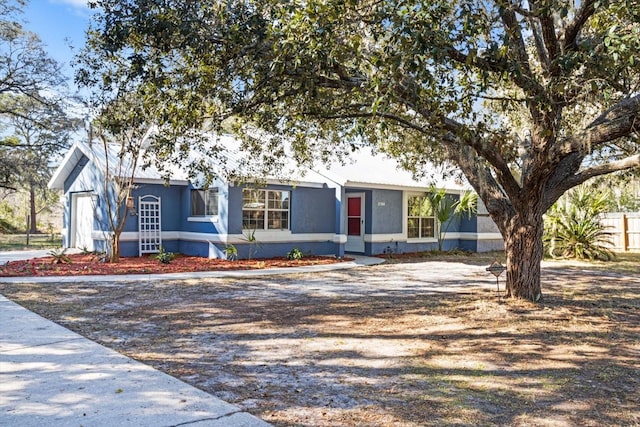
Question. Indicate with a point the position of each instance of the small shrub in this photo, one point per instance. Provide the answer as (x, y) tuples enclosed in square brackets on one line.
[(101, 257), (459, 252), (165, 257), (573, 228), (252, 240), (231, 252), (60, 256), (295, 254)]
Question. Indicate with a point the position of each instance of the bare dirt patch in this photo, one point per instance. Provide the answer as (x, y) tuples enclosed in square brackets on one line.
[(404, 344)]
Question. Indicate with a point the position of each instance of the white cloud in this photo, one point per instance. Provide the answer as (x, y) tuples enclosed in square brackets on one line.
[(74, 3)]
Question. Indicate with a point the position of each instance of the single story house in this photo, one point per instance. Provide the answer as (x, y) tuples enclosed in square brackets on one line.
[(368, 206)]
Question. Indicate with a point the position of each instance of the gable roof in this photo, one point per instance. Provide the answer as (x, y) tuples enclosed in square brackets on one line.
[(96, 155)]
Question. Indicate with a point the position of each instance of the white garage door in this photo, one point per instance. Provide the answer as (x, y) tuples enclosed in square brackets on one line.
[(83, 222)]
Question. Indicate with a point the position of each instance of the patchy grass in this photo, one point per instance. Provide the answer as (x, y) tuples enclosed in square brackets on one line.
[(18, 242), (623, 263), (402, 344)]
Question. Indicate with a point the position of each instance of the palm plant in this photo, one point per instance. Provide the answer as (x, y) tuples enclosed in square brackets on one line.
[(573, 228), (252, 240), (446, 208)]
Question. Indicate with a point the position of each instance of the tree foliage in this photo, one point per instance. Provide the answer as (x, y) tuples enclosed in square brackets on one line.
[(25, 67), (39, 132), (29, 80), (623, 190), (439, 80)]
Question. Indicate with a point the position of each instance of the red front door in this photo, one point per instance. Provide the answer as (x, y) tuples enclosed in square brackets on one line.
[(355, 223)]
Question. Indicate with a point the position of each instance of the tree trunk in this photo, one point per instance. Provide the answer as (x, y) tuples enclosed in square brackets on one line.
[(114, 255), (33, 224), (524, 250)]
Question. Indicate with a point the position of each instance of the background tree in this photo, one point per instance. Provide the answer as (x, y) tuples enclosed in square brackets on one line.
[(410, 77), (623, 189), (40, 132), (28, 77)]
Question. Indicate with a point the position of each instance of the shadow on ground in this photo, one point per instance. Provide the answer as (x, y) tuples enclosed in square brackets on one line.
[(400, 344)]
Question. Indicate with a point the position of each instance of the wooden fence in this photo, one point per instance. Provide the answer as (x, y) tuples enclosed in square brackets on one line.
[(625, 230)]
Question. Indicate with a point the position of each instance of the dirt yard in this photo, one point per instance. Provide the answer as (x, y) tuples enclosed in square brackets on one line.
[(401, 344)]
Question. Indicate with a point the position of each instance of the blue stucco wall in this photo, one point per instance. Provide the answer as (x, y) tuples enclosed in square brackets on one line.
[(171, 211), (404, 247), (234, 213), (87, 178), (384, 212), (267, 250), (469, 245), (468, 225), (312, 210), (75, 182), (130, 248), (387, 211)]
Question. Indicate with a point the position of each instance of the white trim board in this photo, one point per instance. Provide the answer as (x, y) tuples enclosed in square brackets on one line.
[(273, 237), (284, 237)]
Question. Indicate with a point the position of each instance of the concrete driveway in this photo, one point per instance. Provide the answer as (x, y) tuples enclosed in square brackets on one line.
[(6, 256)]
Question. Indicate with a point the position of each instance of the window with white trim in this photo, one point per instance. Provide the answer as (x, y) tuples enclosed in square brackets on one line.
[(204, 202), (421, 222), (265, 209)]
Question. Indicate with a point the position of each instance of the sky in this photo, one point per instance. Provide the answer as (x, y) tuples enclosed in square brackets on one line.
[(60, 24)]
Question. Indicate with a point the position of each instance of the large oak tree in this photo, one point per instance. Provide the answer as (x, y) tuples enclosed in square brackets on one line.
[(527, 98)]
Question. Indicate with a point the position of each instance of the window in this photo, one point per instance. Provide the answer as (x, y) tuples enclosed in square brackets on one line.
[(265, 210), (420, 220), (204, 202)]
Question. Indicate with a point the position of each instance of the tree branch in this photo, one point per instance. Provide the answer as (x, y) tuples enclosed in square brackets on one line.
[(548, 31), (598, 170), (513, 30), (581, 17), (398, 119), (482, 181), (487, 151), (8, 187), (540, 48), (616, 122), (476, 61)]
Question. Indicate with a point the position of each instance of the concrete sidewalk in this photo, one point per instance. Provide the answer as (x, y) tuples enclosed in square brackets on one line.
[(50, 376), (6, 256)]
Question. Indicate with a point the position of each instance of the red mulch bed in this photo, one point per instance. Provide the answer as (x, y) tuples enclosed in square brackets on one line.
[(83, 265)]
